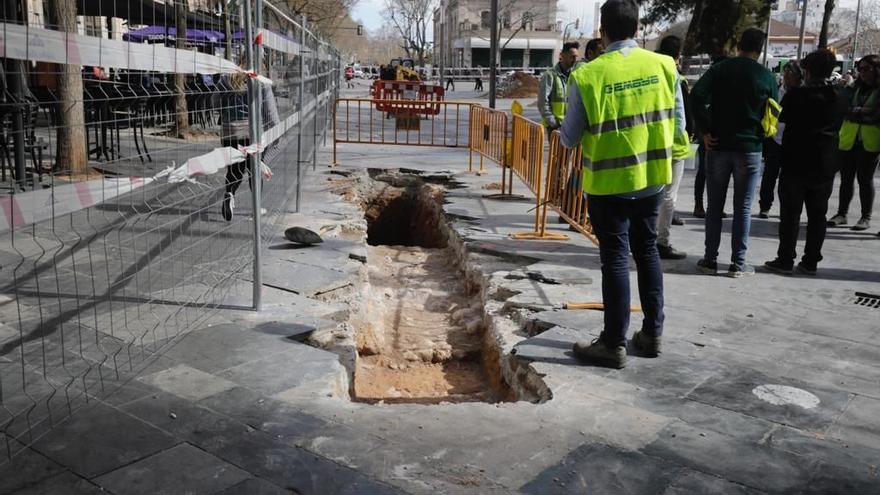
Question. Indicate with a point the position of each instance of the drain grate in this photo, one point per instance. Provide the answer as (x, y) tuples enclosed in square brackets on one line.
[(867, 300)]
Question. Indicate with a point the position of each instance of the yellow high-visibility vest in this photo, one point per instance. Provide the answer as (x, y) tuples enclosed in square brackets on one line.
[(869, 134), (557, 97), (629, 98)]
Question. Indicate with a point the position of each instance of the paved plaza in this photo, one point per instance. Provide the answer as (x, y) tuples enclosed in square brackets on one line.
[(767, 384)]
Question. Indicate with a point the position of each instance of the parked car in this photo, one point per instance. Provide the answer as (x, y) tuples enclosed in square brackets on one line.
[(349, 72), (359, 73)]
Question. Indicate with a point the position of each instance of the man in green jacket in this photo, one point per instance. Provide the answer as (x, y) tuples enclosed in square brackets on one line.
[(728, 107)]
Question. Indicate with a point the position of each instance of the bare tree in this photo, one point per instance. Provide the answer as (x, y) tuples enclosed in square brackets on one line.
[(410, 18), (70, 153), (181, 113), (323, 15)]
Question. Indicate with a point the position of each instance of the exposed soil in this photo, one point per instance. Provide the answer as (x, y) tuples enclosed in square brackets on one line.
[(519, 85), (420, 337)]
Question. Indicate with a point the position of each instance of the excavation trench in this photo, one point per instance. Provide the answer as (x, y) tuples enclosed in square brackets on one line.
[(420, 334)]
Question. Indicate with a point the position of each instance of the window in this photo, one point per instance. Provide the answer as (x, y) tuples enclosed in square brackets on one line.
[(485, 20), (505, 20)]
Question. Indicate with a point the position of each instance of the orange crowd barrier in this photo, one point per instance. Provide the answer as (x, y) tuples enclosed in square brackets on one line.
[(406, 122), (488, 134), (527, 162), (564, 191)]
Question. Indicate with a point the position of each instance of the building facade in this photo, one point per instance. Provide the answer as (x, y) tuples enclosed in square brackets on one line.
[(790, 12), (530, 33)]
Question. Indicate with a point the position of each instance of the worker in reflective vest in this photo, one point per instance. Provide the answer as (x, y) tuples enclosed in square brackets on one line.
[(860, 143), (553, 89), (624, 109)]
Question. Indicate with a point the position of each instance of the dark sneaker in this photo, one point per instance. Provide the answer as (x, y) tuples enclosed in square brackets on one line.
[(699, 212), (676, 220), (837, 220), (738, 271), (862, 224), (707, 267), (724, 215), (647, 345), (598, 353), (764, 214), (779, 266), (670, 253), (228, 206), (806, 269)]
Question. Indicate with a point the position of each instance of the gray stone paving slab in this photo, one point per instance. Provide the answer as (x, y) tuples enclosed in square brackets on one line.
[(179, 417), (834, 479), (742, 462), (180, 469), (187, 382), (737, 391), (693, 482), (100, 440), (309, 279), (65, 483), (597, 468), (316, 372), (273, 416), (219, 347), (26, 468), (858, 423), (254, 486)]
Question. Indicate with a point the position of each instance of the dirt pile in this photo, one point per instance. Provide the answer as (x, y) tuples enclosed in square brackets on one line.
[(519, 85)]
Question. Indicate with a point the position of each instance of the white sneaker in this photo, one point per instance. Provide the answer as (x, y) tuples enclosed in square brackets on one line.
[(837, 221)]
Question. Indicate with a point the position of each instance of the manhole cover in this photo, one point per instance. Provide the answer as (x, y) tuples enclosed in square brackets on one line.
[(867, 300)]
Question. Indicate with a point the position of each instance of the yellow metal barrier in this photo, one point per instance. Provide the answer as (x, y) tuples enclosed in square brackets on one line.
[(526, 161), (564, 192), (401, 122), (487, 135)]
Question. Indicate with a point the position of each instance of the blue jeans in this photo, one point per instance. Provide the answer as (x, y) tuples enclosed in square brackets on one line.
[(746, 171), (622, 225)]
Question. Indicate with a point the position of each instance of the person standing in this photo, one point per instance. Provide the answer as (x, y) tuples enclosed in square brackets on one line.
[(860, 144), (700, 177), (478, 80), (681, 150), (624, 109), (812, 115), (552, 90), (729, 103), (450, 83), (791, 78), (594, 48)]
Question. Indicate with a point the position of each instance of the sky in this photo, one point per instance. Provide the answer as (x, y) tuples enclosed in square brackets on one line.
[(369, 12)]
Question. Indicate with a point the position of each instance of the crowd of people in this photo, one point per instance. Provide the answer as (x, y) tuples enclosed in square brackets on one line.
[(635, 117)]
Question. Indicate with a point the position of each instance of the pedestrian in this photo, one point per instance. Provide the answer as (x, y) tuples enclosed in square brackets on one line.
[(681, 150), (594, 48), (478, 80), (700, 177), (235, 133), (729, 103), (450, 82), (791, 78), (812, 115), (626, 164), (860, 144), (552, 89)]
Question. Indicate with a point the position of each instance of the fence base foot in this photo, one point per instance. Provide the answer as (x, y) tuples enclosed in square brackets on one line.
[(506, 197), (537, 236), (597, 306)]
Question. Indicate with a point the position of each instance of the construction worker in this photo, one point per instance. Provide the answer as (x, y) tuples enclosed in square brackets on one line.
[(625, 109), (552, 90)]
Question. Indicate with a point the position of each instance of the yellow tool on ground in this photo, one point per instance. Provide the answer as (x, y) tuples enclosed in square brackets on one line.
[(596, 306)]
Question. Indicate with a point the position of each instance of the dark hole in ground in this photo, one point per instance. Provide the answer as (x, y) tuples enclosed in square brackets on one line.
[(404, 218)]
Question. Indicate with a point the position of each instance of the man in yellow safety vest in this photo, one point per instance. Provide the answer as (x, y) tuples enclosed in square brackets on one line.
[(625, 109), (553, 89)]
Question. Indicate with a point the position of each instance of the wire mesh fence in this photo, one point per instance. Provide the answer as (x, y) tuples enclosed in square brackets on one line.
[(127, 128)]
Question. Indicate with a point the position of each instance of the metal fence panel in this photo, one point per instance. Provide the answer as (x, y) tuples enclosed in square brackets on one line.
[(121, 146)]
